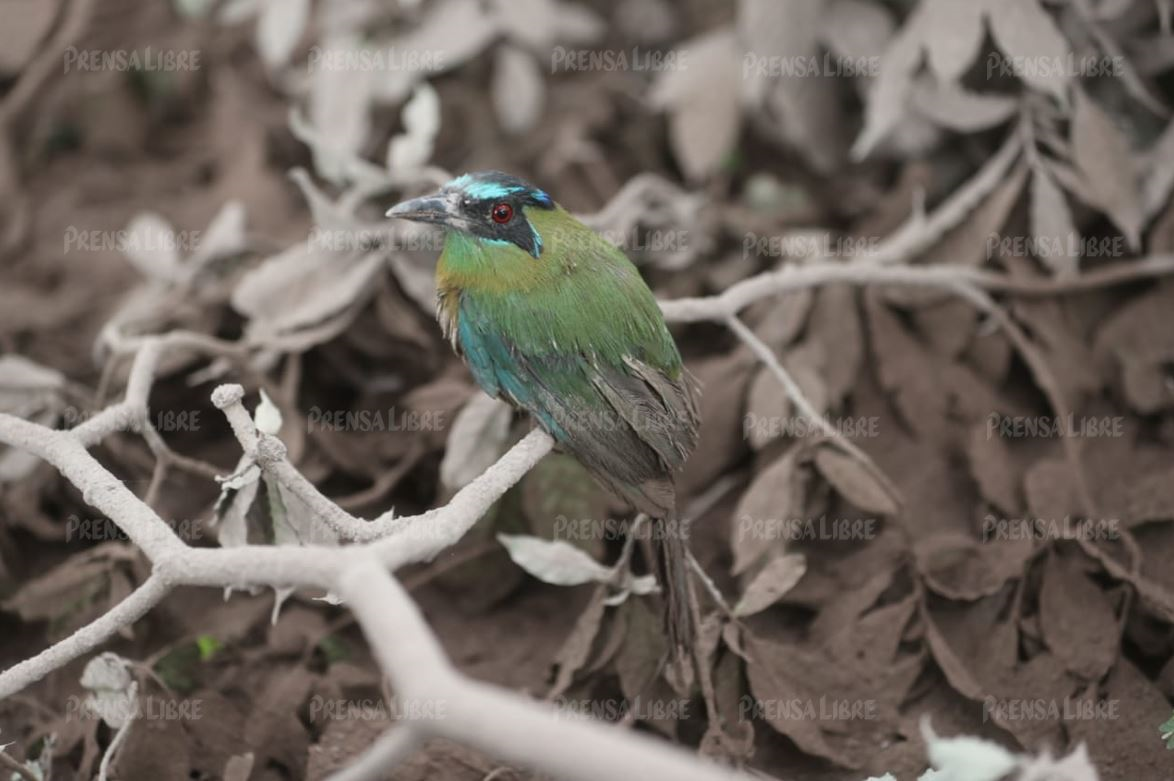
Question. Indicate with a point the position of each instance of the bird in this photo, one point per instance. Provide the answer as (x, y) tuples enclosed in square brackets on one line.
[(554, 319)]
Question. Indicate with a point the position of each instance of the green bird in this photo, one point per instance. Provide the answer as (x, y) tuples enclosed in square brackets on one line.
[(554, 319)]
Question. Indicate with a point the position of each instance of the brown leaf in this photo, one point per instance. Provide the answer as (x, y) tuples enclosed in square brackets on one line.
[(723, 383), (993, 470), (1050, 494), (1121, 726), (1077, 620), (781, 319), (948, 327), (773, 581), (774, 497), (643, 652), (1138, 338), (576, 649), (857, 481), (155, 748), (71, 591), (767, 407), (777, 688), (958, 567), (835, 325)]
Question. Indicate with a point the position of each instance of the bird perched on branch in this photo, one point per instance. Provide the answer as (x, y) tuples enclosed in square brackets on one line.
[(557, 321)]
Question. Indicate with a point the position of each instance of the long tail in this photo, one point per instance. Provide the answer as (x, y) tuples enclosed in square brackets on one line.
[(673, 574)]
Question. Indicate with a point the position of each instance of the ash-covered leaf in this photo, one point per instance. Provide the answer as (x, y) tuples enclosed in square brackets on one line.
[(1026, 33), (954, 107), (73, 589), (1158, 168), (279, 28), (1075, 767), (953, 34), (539, 24), (889, 92), (31, 391), (237, 494), (1105, 163), (451, 33), (554, 561), (774, 580), (639, 658), (267, 417), (112, 689), (301, 287), (576, 649), (703, 102), (26, 22), (476, 440), (151, 246), (767, 406), (967, 759), (238, 767), (421, 119), (224, 237), (1052, 226), (339, 111), (518, 89), (856, 29)]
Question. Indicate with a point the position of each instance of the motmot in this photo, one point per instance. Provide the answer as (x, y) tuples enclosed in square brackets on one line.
[(557, 321)]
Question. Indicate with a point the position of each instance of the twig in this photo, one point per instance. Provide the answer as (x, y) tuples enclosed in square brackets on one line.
[(17, 767), (119, 739)]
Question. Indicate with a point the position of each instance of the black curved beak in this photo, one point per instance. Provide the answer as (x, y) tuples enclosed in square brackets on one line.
[(438, 209)]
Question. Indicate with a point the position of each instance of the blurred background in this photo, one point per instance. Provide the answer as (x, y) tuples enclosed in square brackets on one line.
[(978, 531)]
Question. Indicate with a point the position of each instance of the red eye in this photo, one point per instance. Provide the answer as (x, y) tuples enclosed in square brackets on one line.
[(502, 213)]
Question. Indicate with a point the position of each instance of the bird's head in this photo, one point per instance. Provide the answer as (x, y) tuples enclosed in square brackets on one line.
[(489, 206)]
